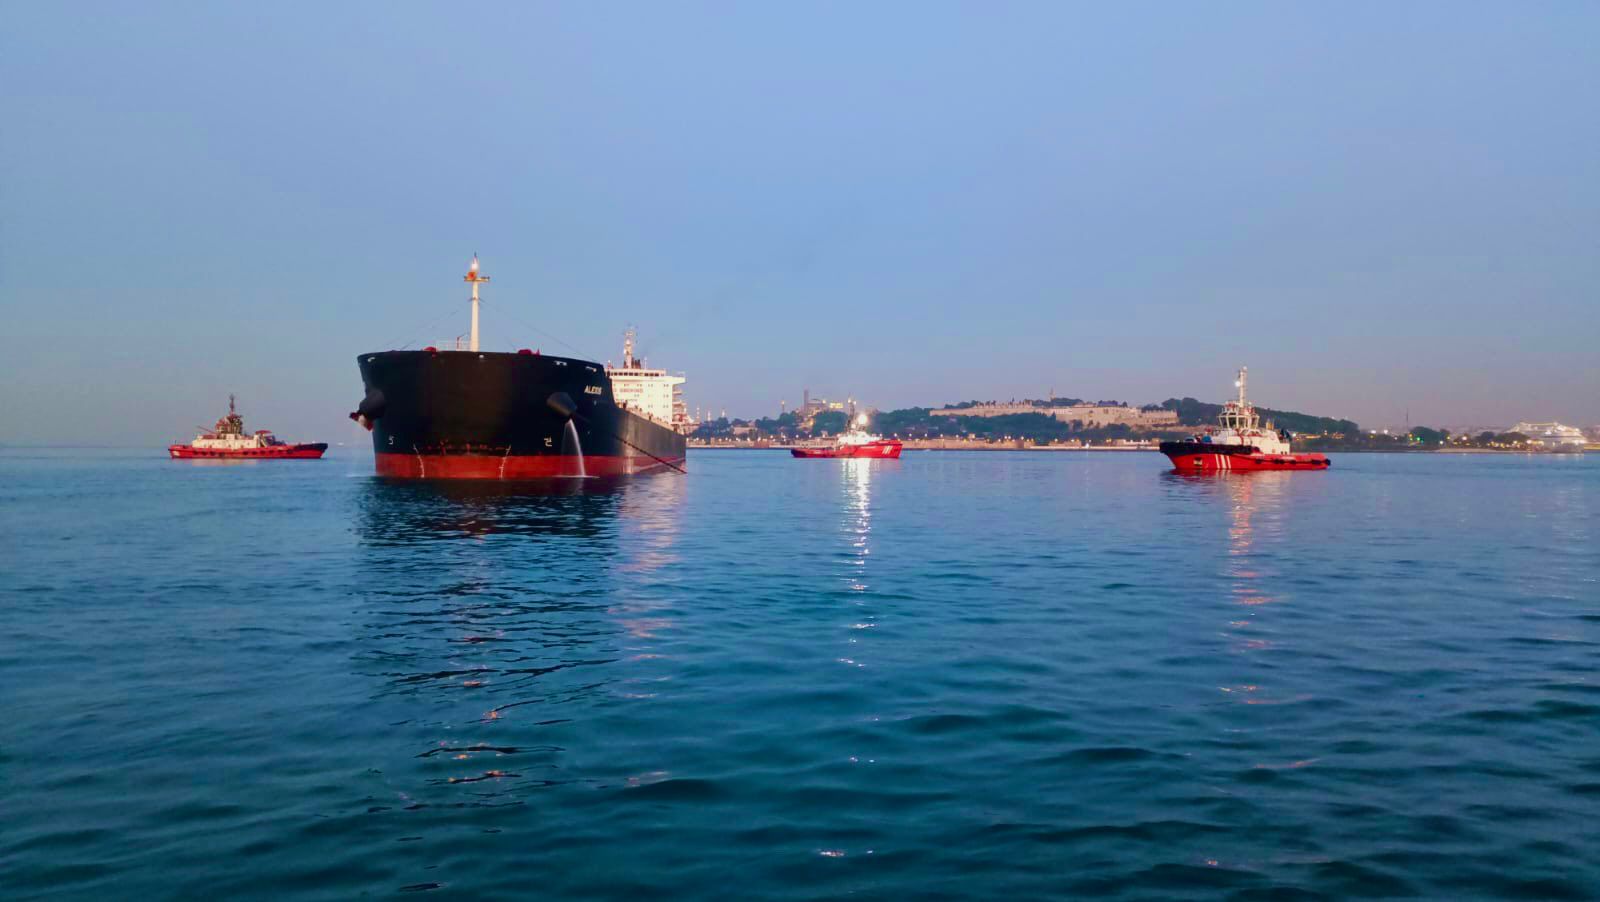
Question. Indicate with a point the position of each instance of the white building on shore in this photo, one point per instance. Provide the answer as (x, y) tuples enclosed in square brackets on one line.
[(1552, 435)]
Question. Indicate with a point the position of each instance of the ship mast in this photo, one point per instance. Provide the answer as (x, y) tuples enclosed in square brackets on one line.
[(1243, 371), (473, 277)]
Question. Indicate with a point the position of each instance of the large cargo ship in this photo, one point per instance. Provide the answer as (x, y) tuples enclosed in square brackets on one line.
[(463, 413)]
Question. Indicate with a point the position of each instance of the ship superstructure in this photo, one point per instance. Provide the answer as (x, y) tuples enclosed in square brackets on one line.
[(654, 393)]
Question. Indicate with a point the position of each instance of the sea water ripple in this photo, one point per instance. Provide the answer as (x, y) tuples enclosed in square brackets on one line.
[(959, 675)]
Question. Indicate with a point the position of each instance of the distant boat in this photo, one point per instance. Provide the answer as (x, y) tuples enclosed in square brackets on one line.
[(1239, 442), (228, 439), (856, 442)]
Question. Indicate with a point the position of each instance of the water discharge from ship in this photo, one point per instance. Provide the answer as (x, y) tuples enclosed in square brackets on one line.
[(358, 436), (561, 403), (570, 445)]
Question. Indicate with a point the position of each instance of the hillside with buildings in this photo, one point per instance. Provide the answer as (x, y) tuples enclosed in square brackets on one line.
[(1074, 421), (1035, 421), (1079, 414), (1190, 412)]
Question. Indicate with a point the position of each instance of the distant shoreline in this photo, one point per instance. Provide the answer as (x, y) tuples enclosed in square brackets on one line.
[(1001, 446), (975, 446), (911, 447), (1505, 451)]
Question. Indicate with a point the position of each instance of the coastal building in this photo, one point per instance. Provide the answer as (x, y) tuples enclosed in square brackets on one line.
[(810, 407), (1090, 415), (1553, 436)]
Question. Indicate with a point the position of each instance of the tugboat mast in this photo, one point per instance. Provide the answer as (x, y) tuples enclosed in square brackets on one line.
[(1243, 372), (473, 277)]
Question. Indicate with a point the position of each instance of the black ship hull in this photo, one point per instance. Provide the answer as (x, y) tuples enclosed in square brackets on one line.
[(464, 415)]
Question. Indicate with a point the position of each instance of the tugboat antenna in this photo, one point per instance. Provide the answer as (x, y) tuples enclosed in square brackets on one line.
[(473, 277)]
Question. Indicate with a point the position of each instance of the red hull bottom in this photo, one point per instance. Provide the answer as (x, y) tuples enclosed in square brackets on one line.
[(533, 466), (872, 451), (280, 452), (1223, 463)]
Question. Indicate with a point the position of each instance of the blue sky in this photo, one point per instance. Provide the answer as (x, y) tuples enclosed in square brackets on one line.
[(1379, 207)]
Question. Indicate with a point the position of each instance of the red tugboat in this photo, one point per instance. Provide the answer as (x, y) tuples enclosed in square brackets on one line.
[(229, 440), (1240, 443), (856, 442)]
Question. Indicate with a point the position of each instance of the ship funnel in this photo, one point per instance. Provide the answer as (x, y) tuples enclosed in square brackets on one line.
[(561, 403)]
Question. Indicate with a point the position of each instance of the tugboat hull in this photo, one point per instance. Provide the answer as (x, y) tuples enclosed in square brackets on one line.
[(871, 450), (309, 451), (1203, 457)]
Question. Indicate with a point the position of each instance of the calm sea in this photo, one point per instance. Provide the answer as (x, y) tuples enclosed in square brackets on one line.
[(959, 675)]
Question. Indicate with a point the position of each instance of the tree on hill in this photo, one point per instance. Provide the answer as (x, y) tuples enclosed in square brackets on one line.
[(910, 422), (1424, 435), (829, 421), (1511, 438), (1199, 413), (921, 422), (1192, 412), (1106, 432), (782, 426), (1037, 427), (712, 429)]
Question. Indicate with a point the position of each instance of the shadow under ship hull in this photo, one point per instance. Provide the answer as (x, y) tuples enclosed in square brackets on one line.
[(467, 415)]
